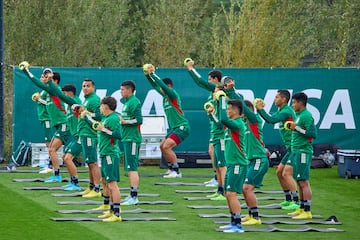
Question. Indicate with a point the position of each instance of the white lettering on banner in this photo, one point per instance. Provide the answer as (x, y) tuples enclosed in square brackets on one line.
[(247, 94), (340, 99), (153, 98), (339, 110), (313, 93)]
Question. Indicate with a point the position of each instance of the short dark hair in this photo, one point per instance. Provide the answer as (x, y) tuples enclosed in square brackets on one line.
[(238, 104), (89, 80), (284, 93), (168, 81), (249, 104), (220, 87), (69, 88), (129, 84), (216, 74), (56, 77), (110, 101), (300, 97)]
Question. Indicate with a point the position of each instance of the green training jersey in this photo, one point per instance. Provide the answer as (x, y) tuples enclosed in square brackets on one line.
[(215, 132), (255, 148), (211, 121), (56, 109), (131, 113), (249, 114), (216, 127), (285, 113), (171, 102), (54, 106), (43, 115), (234, 137), (254, 140), (91, 103), (73, 117), (235, 142), (304, 132), (108, 145)]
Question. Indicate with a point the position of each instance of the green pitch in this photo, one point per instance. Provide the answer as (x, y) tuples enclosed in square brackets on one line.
[(26, 214)]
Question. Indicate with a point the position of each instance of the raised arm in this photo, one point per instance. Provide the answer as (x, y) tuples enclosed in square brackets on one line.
[(168, 91), (69, 100), (152, 82), (24, 66), (250, 115), (189, 63)]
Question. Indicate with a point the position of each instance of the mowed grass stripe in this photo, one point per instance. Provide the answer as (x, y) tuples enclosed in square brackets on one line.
[(23, 218), (332, 196)]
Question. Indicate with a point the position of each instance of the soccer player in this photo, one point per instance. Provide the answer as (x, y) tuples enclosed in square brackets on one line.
[(109, 133), (303, 132), (284, 170), (216, 132), (89, 111), (57, 113), (258, 163), (44, 118), (255, 151), (213, 110), (179, 125), (131, 119), (73, 148), (236, 160)]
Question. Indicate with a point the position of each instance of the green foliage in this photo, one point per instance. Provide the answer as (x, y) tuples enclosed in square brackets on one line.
[(231, 33), (297, 33), (176, 31), (225, 28)]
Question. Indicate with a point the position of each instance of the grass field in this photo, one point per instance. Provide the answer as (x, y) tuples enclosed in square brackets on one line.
[(25, 214)]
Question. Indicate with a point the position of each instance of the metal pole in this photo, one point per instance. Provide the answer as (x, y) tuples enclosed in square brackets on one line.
[(2, 66)]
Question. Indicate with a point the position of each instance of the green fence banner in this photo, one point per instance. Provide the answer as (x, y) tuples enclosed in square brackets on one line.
[(333, 99)]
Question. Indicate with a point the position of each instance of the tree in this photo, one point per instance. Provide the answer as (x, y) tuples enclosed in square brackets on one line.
[(176, 31)]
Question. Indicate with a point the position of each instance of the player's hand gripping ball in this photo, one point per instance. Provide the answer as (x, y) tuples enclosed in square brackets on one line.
[(219, 94), (258, 101), (35, 96), (287, 125), (147, 68), (207, 105), (83, 114), (187, 60), (24, 64), (95, 125)]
